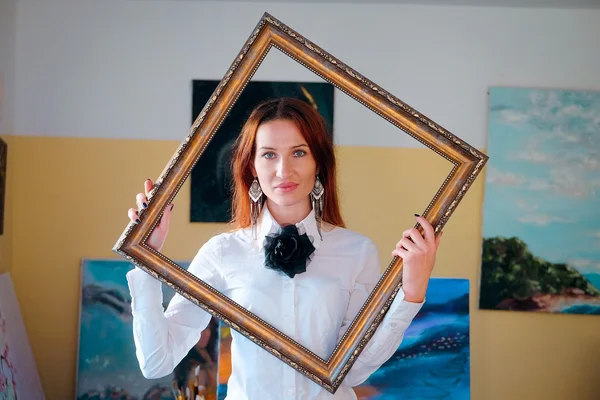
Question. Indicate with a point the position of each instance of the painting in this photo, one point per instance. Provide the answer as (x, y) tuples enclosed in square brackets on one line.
[(211, 192), (19, 378), (432, 362), (107, 364), (3, 162), (541, 214)]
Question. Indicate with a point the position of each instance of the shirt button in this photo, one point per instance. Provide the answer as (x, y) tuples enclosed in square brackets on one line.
[(290, 392), (393, 324)]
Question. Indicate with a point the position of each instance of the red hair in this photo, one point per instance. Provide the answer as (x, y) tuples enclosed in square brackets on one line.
[(314, 130)]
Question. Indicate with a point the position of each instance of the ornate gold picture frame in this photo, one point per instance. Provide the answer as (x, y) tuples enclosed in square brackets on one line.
[(270, 32)]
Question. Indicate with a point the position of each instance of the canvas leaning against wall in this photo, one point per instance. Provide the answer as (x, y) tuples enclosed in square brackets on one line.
[(432, 362), (211, 192), (541, 218), (3, 163), (107, 364), (19, 377)]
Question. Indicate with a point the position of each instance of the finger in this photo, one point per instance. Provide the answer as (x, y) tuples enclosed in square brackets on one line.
[(407, 244), (165, 220), (427, 228), (141, 200), (406, 234), (148, 185), (399, 253), (415, 236), (133, 215)]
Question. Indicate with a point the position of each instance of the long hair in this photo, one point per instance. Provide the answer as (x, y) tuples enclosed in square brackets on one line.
[(314, 130)]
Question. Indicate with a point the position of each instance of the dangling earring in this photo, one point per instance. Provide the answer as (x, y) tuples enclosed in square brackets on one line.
[(317, 198), (255, 193)]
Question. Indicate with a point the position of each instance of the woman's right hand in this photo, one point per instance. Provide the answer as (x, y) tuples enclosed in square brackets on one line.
[(159, 234)]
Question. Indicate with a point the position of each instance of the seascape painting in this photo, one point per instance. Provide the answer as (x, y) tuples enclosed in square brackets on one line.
[(541, 219), (211, 178), (107, 364), (432, 362)]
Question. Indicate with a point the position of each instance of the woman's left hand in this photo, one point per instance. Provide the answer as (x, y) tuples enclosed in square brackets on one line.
[(418, 256)]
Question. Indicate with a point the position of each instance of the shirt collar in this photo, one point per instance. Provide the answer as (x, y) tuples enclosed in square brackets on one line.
[(268, 226)]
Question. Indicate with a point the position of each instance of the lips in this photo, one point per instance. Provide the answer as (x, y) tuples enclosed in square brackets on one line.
[(286, 187)]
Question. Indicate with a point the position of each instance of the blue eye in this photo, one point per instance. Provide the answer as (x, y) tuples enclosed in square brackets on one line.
[(299, 153), (269, 154)]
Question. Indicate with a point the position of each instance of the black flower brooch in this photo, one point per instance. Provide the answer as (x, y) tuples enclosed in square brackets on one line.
[(288, 251)]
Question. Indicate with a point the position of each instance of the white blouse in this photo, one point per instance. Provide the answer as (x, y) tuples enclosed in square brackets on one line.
[(314, 308)]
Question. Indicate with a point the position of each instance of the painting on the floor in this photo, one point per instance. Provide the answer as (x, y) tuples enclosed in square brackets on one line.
[(19, 378), (3, 163), (432, 362), (211, 178), (107, 363), (541, 214)]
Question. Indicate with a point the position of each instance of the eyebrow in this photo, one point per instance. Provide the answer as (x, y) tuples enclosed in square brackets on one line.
[(294, 147)]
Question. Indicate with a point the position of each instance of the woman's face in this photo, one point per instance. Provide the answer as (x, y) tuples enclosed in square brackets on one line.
[(283, 163)]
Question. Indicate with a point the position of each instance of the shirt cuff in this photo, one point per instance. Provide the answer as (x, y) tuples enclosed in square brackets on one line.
[(145, 290), (403, 310)]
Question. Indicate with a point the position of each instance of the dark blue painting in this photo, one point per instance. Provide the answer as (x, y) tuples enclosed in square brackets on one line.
[(431, 363), (433, 360)]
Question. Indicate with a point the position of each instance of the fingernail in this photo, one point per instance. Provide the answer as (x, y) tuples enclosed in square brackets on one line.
[(144, 204), (416, 215), (138, 221), (172, 205)]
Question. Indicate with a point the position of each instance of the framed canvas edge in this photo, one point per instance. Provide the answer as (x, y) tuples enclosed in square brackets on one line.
[(131, 246), (3, 154), (82, 262)]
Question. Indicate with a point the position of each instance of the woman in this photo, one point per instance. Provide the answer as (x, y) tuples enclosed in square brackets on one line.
[(289, 253)]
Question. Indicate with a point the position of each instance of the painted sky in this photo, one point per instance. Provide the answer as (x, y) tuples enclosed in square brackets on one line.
[(543, 176)]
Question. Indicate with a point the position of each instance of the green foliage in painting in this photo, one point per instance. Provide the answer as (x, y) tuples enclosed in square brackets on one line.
[(511, 271)]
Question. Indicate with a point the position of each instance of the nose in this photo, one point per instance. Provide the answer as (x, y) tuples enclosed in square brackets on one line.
[(283, 168)]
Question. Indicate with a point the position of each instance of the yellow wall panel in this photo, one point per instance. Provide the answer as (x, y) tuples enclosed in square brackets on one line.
[(69, 201)]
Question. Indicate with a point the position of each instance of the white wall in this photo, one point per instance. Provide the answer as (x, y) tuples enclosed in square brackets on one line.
[(122, 69), (7, 64)]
